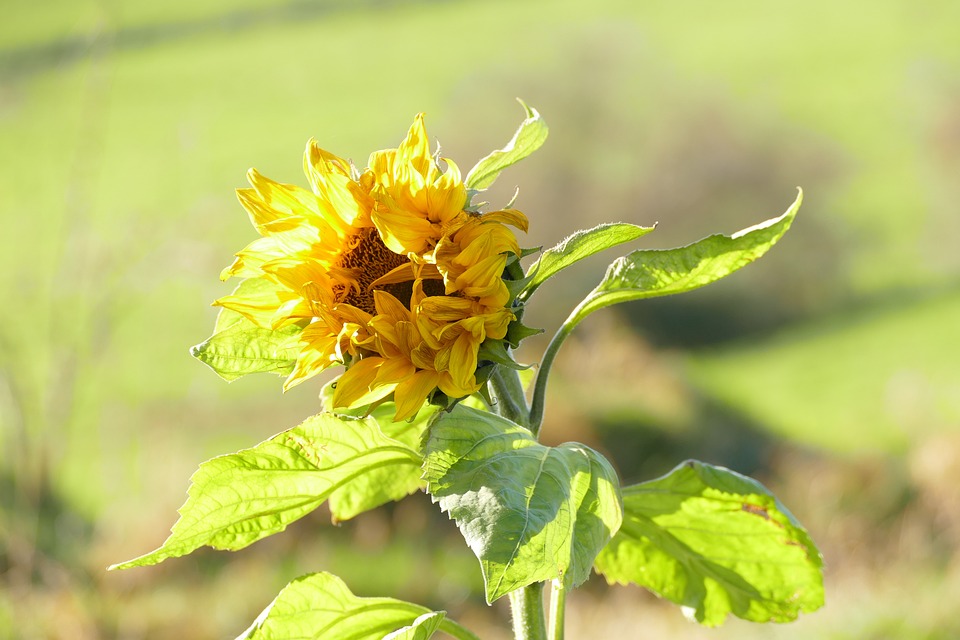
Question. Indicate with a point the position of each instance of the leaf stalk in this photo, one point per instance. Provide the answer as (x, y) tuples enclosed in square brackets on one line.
[(540, 387)]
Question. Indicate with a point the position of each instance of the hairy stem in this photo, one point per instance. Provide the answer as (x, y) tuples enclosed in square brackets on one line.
[(527, 607), (526, 604), (558, 601), (507, 391)]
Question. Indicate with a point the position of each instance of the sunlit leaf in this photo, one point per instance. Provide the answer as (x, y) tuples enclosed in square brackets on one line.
[(245, 348), (379, 485), (237, 499), (529, 512), (320, 605), (239, 347), (528, 138), (580, 245), (422, 628), (718, 543), (652, 273), (256, 292)]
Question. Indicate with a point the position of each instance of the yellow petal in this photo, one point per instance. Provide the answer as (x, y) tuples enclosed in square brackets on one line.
[(411, 393), (389, 306), (400, 231), (316, 354), (446, 197), (356, 382), (449, 386), (403, 273), (415, 148), (463, 360), (512, 217)]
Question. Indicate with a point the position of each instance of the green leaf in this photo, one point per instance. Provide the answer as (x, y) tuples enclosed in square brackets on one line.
[(651, 273), (245, 348), (716, 542), (422, 628), (239, 347), (528, 138), (320, 605), (237, 499), (529, 512), (380, 485), (580, 245), (496, 351)]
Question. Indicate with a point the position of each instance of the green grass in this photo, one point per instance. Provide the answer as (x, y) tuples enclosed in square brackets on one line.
[(875, 381)]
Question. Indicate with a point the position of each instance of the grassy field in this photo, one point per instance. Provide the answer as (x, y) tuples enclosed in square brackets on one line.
[(124, 128)]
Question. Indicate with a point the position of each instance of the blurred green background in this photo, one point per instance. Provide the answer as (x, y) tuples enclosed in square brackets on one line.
[(829, 370)]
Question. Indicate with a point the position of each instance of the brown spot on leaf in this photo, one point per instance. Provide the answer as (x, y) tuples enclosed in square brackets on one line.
[(756, 510)]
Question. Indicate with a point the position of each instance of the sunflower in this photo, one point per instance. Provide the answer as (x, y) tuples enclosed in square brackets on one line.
[(387, 271)]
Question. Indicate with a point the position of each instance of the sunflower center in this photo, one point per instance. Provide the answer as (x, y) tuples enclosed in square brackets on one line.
[(369, 259)]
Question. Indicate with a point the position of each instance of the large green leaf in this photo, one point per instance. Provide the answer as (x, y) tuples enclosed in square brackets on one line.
[(383, 484), (717, 542), (580, 245), (528, 138), (320, 605), (237, 499), (239, 347), (651, 273), (529, 512)]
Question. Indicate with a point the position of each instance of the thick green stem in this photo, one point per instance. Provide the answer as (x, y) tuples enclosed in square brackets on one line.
[(527, 607), (526, 604), (558, 601), (507, 391)]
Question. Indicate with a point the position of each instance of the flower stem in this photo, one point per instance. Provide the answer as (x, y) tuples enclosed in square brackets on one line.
[(526, 604), (527, 607), (511, 401), (558, 601)]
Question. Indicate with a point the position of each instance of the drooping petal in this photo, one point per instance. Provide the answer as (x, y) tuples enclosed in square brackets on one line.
[(410, 394), (508, 216), (356, 383)]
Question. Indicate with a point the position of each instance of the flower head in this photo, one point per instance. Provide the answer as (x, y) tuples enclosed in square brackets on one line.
[(386, 270)]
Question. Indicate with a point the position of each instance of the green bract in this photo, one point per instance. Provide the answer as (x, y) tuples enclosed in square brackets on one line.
[(528, 138), (530, 513), (717, 542)]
